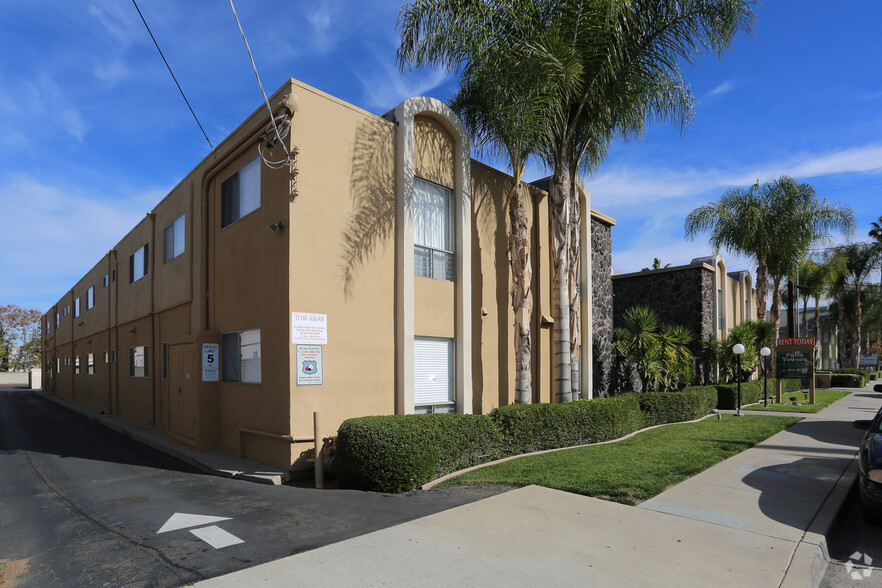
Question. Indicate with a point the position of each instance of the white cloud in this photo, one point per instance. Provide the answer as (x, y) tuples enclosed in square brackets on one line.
[(628, 186), (389, 87), (111, 72), (53, 235), (722, 89)]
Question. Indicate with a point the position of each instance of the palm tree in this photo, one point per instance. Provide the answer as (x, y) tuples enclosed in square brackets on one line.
[(504, 114), (837, 275), (616, 64), (638, 341), (860, 260), (776, 224), (876, 233), (709, 350)]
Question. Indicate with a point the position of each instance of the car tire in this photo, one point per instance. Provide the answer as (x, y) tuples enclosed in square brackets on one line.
[(877, 388)]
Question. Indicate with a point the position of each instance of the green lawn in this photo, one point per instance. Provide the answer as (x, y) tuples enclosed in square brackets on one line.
[(635, 469), (823, 399)]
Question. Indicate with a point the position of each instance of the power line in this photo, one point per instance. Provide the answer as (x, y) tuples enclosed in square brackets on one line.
[(172, 74)]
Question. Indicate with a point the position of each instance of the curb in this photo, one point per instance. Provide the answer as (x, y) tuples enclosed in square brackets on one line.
[(811, 557)]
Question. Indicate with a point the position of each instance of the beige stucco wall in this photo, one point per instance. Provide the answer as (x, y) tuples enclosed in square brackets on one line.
[(335, 256)]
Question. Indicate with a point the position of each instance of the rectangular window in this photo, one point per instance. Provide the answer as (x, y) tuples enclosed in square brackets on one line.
[(241, 356), (433, 387), (77, 364), (720, 309), (106, 280), (113, 356), (138, 362), (138, 264), (57, 320), (48, 325), (106, 357), (90, 297), (77, 306), (90, 364), (240, 193), (58, 367), (433, 231), (173, 239), (113, 275), (165, 360)]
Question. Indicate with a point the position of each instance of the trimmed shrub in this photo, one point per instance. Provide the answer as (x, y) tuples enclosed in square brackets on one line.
[(401, 452), (535, 427), (672, 407), (847, 381), (753, 392)]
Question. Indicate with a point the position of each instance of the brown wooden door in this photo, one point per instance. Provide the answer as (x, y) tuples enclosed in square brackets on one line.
[(182, 391)]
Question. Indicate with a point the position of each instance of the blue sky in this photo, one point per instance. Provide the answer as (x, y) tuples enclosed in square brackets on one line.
[(93, 131)]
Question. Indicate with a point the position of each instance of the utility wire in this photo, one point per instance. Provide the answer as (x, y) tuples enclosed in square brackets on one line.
[(172, 74), (265, 99)]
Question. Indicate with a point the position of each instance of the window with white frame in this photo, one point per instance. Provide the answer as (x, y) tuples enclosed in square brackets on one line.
[(173, 239), (433, 386), (90, 364), (90, 297), (138, 264), (77, 364), (77, 306), (138, 362), (240, 193), (433, 231), (241, 356)]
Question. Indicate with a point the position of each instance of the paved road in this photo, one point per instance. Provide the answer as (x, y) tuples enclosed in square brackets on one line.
[(81, 505)]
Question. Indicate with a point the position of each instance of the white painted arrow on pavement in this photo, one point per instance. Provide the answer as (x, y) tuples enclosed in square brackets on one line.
[(213, 535)]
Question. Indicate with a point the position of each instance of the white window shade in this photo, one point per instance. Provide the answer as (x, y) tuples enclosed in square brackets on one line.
[(432, 216), (433, 372), (249, 347)]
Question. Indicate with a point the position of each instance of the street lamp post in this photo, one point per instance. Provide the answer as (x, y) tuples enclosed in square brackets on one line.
[(738, 349), (765, 352)]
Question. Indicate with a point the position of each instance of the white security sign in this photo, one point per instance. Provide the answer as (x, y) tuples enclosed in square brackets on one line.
[(309, 365), (210, 362), (309, 328)]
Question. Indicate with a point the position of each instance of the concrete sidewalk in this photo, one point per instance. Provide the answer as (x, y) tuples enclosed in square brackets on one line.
[(756, 519)]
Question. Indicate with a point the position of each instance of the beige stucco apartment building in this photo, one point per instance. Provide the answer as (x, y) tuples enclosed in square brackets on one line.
[(367, 276)]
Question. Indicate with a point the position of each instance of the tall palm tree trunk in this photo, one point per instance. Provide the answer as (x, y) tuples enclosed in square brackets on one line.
[(560, 212), (775, 311), (762, 287), (575, 293), (856, 330), (521, 295), (840, 331)]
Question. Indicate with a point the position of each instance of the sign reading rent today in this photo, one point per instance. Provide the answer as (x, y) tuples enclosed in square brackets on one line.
[(795, 357)]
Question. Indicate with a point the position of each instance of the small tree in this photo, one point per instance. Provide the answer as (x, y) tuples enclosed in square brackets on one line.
[(709, 353), (660, 357)]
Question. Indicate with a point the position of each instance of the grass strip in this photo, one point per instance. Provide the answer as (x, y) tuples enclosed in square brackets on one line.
[(636, 469), (823, 399)]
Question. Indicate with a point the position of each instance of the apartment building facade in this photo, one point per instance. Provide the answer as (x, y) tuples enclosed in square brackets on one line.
[(366, 275)]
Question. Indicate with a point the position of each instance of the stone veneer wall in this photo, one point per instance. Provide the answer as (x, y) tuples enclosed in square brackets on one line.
[(602, 305), (678, 296)]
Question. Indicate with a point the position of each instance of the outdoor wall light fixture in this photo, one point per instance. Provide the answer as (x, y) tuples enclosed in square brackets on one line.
[(277, 226), (738, 350), (765, 352)]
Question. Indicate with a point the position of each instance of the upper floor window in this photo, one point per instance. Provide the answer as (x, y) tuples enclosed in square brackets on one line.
[(433, 231), (173, 239), (138, 264), (106, 280), (240, 193), (90, 297), (57, 320), (77, 306)]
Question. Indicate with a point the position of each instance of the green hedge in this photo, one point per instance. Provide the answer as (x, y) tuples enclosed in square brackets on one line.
[(401, 452), (752, 392), (673, 407), (847, 381), (536, 427)]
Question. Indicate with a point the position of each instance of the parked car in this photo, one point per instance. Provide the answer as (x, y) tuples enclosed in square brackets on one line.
[(870, 471)]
